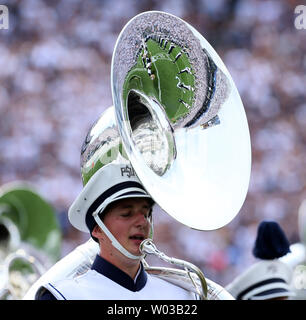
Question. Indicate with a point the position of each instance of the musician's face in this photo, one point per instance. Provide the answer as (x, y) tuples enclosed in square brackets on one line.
[(128, 221)]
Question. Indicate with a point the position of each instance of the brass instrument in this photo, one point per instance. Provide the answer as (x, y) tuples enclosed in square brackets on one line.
[(30, 239), (148, 247), (178, 118), (182, 124)]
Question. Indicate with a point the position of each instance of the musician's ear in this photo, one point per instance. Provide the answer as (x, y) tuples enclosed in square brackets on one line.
[(97, 232)]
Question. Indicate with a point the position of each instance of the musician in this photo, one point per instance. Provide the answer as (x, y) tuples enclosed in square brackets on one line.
[(269, 278), (153, 102), (117, 211)]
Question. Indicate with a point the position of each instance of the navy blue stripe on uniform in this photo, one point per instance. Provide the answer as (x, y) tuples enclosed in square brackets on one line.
[(57, 291)]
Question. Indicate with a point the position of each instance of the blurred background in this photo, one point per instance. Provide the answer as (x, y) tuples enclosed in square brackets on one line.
[(55, 82)]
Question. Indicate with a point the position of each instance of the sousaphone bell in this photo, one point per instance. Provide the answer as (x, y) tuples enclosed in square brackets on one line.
[(181, 120)]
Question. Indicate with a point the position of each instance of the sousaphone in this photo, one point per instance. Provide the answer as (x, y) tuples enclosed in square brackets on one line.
[(179, 120), (30, 238)]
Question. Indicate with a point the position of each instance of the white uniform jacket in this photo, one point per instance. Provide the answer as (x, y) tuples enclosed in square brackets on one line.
[(104, 281)]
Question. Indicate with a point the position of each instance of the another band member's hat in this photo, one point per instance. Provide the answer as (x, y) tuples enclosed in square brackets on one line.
[(269, 278), (112, 182)]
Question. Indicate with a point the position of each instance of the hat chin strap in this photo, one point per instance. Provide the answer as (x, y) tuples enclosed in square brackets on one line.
[(113, 240)]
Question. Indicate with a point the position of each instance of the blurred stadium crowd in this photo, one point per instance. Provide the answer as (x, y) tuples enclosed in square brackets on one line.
[(55, 81)]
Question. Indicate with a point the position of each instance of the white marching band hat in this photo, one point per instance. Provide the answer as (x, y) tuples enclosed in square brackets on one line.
[(112, 182), (269, 278), (266, 279)]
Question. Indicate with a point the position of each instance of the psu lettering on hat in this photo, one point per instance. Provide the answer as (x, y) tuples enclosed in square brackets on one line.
[(127, 171)]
